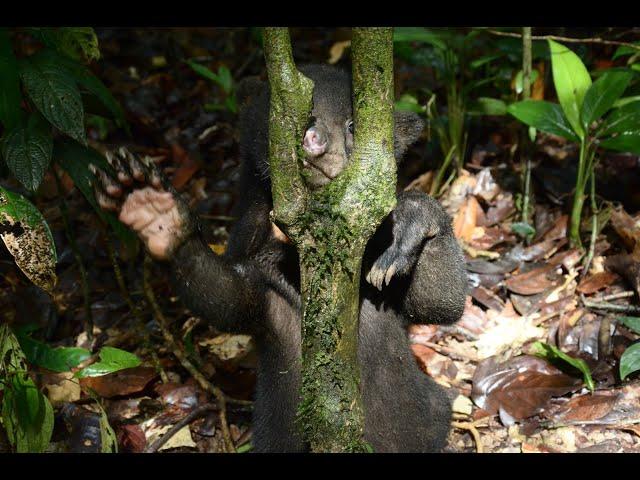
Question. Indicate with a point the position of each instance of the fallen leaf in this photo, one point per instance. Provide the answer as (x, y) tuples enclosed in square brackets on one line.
[(464, 223), (61, 388), (584, 408), (122, 382), (131, 438), (593, 283), (520, 387), (533, 281)]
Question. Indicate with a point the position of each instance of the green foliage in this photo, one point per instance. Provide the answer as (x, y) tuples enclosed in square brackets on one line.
[(630, 359), (223, 79), (60, 359), (588, 113), (53, 82), (27, 415), (26, 149), (572, 80), (111, 360), (54, 93), (545, 116), (554, 354)]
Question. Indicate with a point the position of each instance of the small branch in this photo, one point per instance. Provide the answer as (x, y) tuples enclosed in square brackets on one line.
[(609, 306), (595, 40), (615, 296), (200, 411), (470, 427), (450, 351), (182, 357)]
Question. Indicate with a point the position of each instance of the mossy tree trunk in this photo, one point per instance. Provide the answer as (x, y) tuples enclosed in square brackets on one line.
[(331, 226)]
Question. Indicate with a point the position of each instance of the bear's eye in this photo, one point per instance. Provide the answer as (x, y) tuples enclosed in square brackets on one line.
[(350, 126)]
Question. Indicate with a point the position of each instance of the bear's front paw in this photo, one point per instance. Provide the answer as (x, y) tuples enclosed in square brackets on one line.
[(390, 264), (144, 200)]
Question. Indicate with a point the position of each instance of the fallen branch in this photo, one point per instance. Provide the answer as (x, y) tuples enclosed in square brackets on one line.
[(193, 415), (609, 306)]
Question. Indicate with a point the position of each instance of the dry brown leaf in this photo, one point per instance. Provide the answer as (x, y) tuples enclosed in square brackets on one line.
[(533, 281), (598, 281), (122, 382), (585, 408), (464, 222), (520, 387)]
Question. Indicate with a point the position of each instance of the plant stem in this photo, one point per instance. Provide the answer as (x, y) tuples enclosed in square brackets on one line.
[(88, 317), (525, 151), (435, 185), (579, 197)]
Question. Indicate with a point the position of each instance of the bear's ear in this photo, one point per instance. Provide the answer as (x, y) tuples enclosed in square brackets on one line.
[(407, 129), (248, 88)]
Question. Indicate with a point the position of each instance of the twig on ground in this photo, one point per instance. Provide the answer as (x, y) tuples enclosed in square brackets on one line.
[(609, 306), (450, 351), (193, 415), (182, 357), (471, 428)]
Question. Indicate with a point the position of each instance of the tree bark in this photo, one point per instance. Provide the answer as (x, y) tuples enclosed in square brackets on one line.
[(331, 226)]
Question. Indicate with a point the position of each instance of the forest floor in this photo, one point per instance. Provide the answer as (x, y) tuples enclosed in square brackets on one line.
[(508, 397)]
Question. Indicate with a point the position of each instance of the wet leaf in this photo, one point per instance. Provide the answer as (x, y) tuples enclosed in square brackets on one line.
[(26, 234), (521, 386)]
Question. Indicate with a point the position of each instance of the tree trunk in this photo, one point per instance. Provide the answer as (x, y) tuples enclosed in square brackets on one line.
[(331, 226)]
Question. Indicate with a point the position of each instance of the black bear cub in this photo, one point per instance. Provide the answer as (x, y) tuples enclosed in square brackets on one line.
[(413, 272)]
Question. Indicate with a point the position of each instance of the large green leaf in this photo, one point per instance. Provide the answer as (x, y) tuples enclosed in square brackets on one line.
[(27, 150), (554, 354), (75, 159), (10, 96), (630, 361), (602, 94), (621, 120), (54, 92), (623, 142), (26, 235), (544, 116), (111, 360), (572, 81), (632, 323), (60, 359), (83, 76)]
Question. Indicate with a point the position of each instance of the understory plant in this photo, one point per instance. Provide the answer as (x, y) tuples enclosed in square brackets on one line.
[(590, 113)]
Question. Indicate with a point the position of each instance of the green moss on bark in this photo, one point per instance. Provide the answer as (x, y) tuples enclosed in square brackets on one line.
[(331, 227)]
